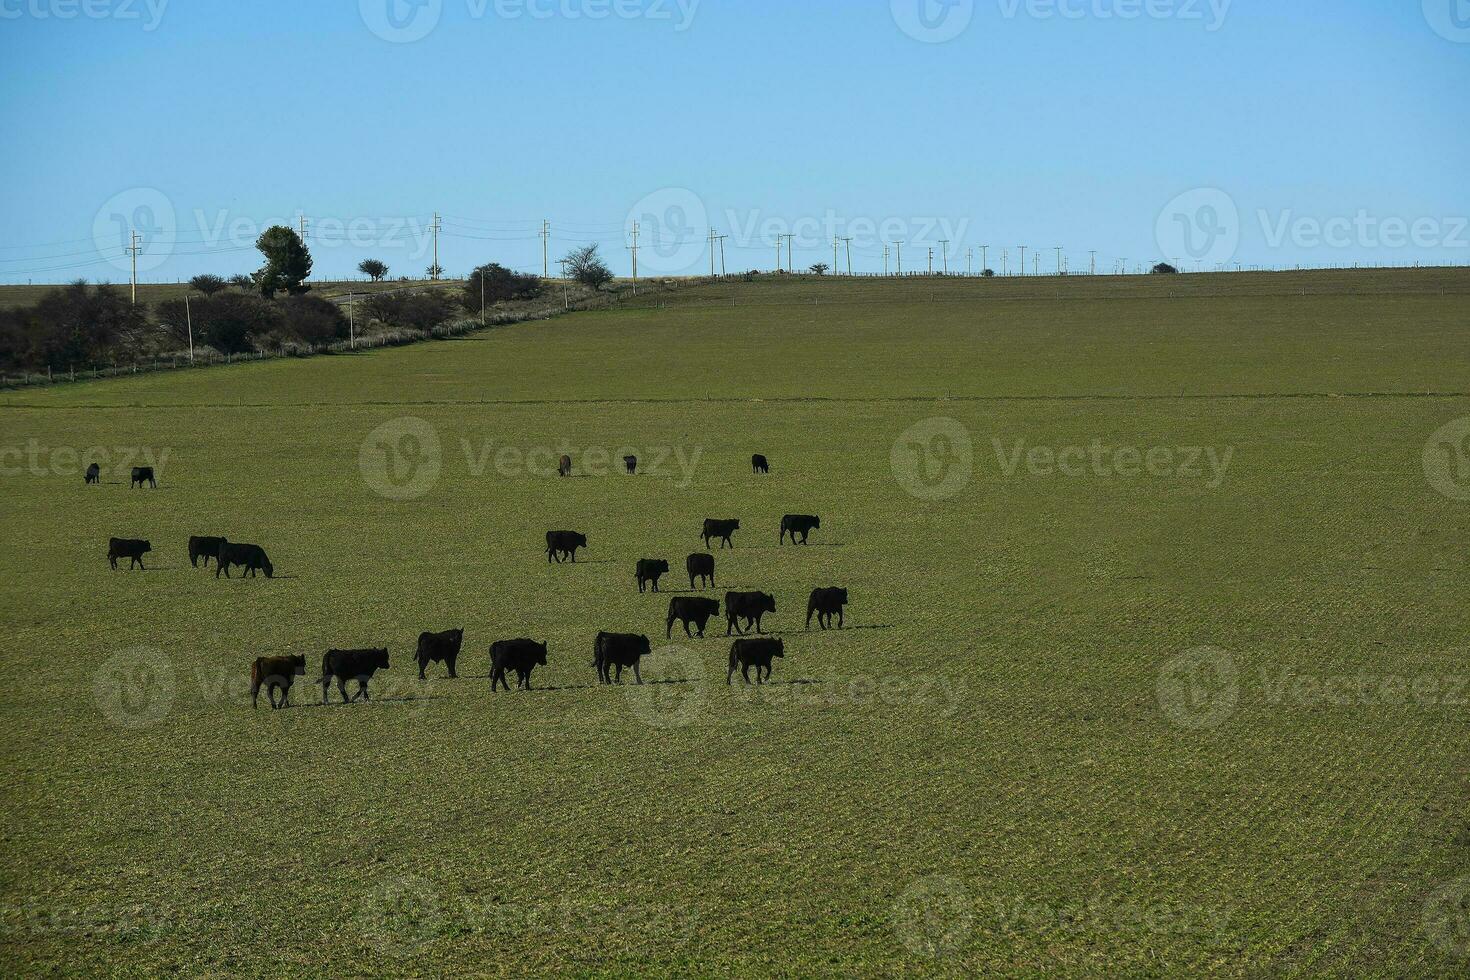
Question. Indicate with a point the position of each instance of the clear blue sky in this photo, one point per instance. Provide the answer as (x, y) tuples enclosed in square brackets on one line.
[(1210, 131)]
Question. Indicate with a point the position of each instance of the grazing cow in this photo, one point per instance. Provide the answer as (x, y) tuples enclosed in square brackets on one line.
[(749, 606), (559, 543), (619, 650), (631, 462), (825, 602), (252, 556), (802, 524), (700, 567), (275, 674), (351, 665), (651, 570), (128, 548), (206, 548), (758, 464), (521, 656), (721, 530), (690, 609), (746, 654), (565, 467), (142, 475), (439, 648), (94, 474)]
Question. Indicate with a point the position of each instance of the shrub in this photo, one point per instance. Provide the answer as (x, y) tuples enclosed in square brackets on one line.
[(207, 284), (500, 284)]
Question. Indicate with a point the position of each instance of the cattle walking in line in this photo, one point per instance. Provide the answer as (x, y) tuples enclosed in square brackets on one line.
[(650, 570), (758, 464), (701, 567), (275, 674), (619, 650), (439, 648), (206, 548), (746, 654), (691, 609), (563, 543), (721, 530), (565, 466), (351, 665), (94, 474), (825, 603), (631, 462), (128, 548), (142, 475), (251, 556), (749, 606), (802, 524), (521, 656)]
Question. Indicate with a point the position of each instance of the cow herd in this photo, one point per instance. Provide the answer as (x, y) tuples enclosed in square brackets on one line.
[(612, 652)]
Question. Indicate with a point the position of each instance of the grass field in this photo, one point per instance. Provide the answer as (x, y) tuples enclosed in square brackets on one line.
[(1166, 673)]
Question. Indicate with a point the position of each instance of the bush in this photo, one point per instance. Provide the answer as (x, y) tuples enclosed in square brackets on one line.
[(373, 269), (207, 284), (228, 322), (1164, 269), (586, 267), (413, 311), (500, 284), (313, 320)]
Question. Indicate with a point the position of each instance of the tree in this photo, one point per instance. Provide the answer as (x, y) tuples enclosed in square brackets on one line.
[(287, 262), (434, 271), (228, 322), (820, 269), (988, 274), (421, 310), (499, 284), (242, 282), (373, 269), (586, 267), (1164, 269), (207, 284)]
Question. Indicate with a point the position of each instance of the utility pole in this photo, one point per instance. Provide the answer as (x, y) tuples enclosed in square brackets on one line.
[(778, 253), (834, 256), (711, 242), (1059, 259), (848, 241), (969, 261), (545, 250), (1005, 262), (1023, 258), (189, 319), (351, 324), (944, 242), (931, 260), (436, 245), (721, 240), (899, 246), (482, 297), (1092, 267), (134, 249), (1035, 264), (885, 260), (984, 258), (791, 253), (301, 218), (634, 249), (566, 299)]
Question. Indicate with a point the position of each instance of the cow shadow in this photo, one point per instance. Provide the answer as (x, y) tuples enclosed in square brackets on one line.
[(844, 629)]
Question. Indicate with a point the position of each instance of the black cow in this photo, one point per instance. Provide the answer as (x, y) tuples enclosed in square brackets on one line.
[(802, 524), (700, 567), (252, 556), (825, 602), (721, 530), (565, 467), (351, 665), (275, 674), (94, 474), (690, 609), (128, 548), (619, 650), (559, 543), (439, 648), (758, 464), (749, 606), (521, 656), (206, 548), (651, 570), (746, 654), (631, 462), (142, 475)]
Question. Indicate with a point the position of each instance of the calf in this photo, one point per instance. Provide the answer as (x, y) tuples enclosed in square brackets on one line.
[(631, 462), (826, 602), (559, 543), (619, 650), (206, 548), (749, 606), (142, 475), (651, 570), (127, 548), (94, 474), (565, 467), (349, 665), (439, 648), (758, 464), (746, 654), (802, 524), (721, 530), (521, 656), (251, 556), (275, 674), (689, 609), (700, 567)]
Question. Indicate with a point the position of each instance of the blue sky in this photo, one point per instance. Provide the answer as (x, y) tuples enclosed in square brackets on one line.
[(1217, 132)]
